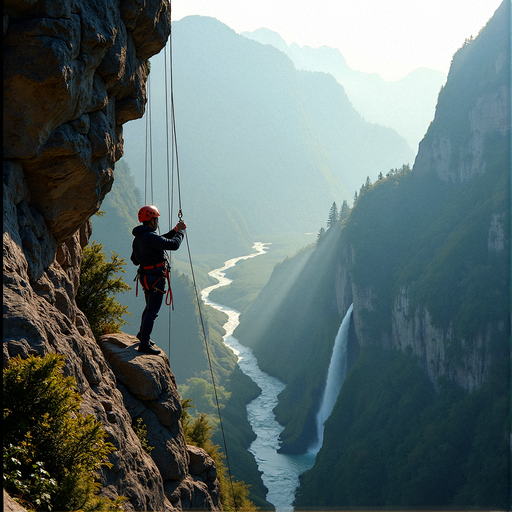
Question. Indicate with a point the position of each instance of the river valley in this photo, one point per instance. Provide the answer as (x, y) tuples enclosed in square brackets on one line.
[(280, 472)]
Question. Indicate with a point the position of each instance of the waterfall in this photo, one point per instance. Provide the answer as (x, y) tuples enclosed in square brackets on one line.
[(335, 377)]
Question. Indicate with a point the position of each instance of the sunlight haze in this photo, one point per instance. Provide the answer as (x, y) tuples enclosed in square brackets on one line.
[(389, 38)]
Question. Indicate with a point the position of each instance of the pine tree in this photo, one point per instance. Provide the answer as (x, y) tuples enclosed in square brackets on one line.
[(333, 215), (344, 211), (321, 234)]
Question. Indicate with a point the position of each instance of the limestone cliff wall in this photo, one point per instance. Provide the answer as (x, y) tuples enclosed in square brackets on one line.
[(74, 72), (474, 104), (440, 353), (490, 114), (471, 126)]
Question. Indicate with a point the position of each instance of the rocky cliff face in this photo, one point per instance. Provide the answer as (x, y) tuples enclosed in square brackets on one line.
[(469, 367), (469, 137), (474, 104), (466, 361), (74, 72), (459, 162), (146, 388)]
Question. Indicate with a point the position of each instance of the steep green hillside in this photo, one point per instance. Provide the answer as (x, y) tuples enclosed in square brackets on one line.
[(392, 441), (414, 229)]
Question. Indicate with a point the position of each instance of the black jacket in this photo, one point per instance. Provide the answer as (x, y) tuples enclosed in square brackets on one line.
[(148, 247)]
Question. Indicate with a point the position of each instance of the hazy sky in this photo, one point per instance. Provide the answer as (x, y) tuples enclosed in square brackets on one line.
[(388, 37)]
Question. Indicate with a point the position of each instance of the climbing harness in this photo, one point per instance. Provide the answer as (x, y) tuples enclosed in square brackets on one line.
[(149, 289)]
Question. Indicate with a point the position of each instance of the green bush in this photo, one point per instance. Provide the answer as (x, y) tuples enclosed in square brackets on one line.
[(97, 285), (234, 495), (51, 451), (202, 393), (141, 430), (37, 488)]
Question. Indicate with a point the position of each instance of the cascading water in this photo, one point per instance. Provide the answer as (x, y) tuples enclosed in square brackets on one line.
[(335, 377)]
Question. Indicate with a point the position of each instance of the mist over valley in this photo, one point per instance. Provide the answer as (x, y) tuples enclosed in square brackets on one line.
[(263, 147)]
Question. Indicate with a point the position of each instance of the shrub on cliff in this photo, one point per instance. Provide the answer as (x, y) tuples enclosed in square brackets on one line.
[(50, 451), (96, 296), (234, 495)]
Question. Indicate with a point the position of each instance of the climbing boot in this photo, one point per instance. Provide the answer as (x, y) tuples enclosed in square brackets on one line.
[(148, 349), (151, 342)]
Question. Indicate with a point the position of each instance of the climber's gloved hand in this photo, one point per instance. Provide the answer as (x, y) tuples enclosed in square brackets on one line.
[(180, 226)]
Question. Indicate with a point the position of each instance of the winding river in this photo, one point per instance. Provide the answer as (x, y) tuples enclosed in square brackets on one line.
[(280, 472)]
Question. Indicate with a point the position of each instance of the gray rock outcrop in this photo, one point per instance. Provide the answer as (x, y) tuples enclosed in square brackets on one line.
[(74, 72), (149, 392)]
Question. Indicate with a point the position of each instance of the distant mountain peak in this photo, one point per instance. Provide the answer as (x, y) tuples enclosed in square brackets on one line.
[(267, 36), (406, 105)]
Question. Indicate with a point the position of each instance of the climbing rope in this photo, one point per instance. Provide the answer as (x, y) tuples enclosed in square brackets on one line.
[(171, 165), (148, 158), (170, 188)]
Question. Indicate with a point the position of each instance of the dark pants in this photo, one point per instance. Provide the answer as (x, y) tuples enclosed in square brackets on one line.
[(154, 299)]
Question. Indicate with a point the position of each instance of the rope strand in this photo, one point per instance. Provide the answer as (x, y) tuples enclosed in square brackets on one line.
[(169, 194), (146, 148), (148, 160), (180, 215), (211, 373)]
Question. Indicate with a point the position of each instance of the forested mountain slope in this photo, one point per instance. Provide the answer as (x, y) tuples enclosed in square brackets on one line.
[(423, 416)]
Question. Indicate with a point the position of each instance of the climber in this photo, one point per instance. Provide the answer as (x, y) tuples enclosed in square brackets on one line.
[(148, 253)]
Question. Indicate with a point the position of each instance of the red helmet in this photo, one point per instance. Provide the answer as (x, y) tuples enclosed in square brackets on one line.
[(148, 212)]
